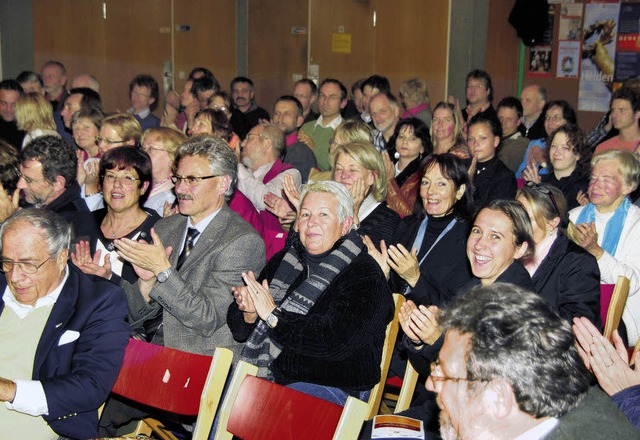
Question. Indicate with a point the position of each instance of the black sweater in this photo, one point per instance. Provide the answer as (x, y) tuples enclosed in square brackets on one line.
[(339, 342)]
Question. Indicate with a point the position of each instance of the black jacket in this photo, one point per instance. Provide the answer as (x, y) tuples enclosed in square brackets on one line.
[(569, 280), (493, 181), (570, 186), (444, 270)]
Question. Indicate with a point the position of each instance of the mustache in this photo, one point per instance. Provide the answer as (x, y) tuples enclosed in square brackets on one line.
[(184, 196)]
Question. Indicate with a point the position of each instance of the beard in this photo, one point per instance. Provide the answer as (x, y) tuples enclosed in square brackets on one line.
[(447, 430)]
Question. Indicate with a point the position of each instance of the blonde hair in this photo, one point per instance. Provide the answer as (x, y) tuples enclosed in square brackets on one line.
[(367, 157), (125, 125), (458, 137), (33, 112), (354, 130), (170, 138), (628, 164), (415, 90)]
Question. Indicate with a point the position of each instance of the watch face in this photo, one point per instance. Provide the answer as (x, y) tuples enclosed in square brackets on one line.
[(163, 276)]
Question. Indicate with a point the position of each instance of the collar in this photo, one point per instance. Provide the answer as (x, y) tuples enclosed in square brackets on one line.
[(71, 193), (529, 125), (252, 107), (413, 111), (202, 224), (23, 310), (515, 135), (367, 207), (333, 124), (539, 431), (141, 114), (291, 138)]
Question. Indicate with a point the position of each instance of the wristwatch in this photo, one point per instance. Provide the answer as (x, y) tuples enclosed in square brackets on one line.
[(164, 275), (272, 320)]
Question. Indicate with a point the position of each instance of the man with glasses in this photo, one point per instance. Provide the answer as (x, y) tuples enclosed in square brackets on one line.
[(48, 167), (195, 257), (261, 174), (509, 367), (63, 334), (479, 93), (332, 98)]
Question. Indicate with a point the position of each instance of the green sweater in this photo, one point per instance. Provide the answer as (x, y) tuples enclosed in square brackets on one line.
[(321, 137)]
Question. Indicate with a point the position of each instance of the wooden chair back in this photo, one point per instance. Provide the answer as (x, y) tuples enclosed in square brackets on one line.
[(387, 352), (174, 381), (612, 301)]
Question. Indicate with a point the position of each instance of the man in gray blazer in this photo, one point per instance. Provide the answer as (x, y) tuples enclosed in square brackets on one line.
[(195, 257)]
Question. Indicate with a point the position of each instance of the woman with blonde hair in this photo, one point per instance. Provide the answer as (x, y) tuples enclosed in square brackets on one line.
[(446, 131), (117, 130), (359, 167), (161, 144), (414, 97), (35, 116), (351, 130)]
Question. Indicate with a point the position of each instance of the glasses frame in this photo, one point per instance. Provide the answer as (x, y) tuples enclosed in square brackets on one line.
[(545, 191), (22, 264), (191, 181), (100, 139)]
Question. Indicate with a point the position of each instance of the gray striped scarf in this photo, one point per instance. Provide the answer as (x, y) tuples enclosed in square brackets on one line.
[(260, 349)]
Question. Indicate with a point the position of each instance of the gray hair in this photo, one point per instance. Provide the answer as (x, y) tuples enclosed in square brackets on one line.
[(56, 229), (516, 336), (338, 190), (276, 136), (222, 160), (628, 164)]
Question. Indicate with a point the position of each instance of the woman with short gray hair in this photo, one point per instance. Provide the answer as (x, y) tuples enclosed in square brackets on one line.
[(315, 318)]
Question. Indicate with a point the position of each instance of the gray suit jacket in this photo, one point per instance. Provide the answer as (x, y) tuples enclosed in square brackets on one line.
[(196, 298)]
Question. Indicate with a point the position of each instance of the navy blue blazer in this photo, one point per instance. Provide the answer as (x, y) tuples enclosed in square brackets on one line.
[(78, 376)]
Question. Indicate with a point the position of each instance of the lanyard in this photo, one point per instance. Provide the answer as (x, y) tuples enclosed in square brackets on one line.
[(420, 236)]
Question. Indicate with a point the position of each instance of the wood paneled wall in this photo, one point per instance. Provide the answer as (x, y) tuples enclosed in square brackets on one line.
[(134, 37), (408, 40)]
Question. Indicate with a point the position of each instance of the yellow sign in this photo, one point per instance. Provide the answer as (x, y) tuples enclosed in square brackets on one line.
[(341, 43)]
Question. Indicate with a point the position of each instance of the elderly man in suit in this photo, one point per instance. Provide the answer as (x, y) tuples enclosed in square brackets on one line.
[(62, 334), (197, 256)]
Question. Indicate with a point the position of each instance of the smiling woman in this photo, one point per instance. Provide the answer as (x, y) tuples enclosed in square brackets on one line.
[(500, 236), (315, 318)]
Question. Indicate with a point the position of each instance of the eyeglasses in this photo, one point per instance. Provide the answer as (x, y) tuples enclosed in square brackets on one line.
[(556, 118), (124, 180), (100, 139), (191, 180), (7, 266), (149, 150), (439, 378), (254, 135), (545, 191), (29, 180)]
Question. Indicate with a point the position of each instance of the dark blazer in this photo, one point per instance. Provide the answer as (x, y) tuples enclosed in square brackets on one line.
[(444, 270), (150, 121), (381, 224), (196, 298), (78, 376), (569, 280), (493, 181), (594, 418), (570, 186)]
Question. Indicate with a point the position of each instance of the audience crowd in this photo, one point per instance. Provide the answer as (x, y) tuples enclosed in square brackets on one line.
[(282, 236)]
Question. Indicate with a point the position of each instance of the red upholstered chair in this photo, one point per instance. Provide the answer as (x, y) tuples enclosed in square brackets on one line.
[(612, 301), (268, 411), (174, 381)]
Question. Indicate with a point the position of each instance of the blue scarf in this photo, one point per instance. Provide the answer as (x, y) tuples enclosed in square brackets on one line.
[(613, 230)]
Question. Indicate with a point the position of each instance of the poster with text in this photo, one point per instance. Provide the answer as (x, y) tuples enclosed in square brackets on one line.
[(598, 55), (568, 59), (627, 49)]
